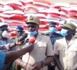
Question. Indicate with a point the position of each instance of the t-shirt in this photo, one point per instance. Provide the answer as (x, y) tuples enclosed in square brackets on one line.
[(2, 59)]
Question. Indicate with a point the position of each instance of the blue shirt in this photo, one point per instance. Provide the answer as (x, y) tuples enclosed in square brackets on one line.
[(2, 59), (54, 37), (6, 42)]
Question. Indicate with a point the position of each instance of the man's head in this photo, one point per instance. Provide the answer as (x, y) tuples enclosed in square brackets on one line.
[(33, 24), (52, 26), (19, 30), (3, 30), (68, 29)]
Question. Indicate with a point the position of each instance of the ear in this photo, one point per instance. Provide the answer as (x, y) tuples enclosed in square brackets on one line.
[(38, 26)]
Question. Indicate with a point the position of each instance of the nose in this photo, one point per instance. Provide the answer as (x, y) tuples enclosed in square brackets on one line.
[(31, 29)]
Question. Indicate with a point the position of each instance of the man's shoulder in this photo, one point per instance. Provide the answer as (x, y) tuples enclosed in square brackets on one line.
[(58, 35), (59, 39)]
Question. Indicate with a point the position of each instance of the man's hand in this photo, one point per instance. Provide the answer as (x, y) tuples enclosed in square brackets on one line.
[(37, 66), (29, 67), (19, 42)]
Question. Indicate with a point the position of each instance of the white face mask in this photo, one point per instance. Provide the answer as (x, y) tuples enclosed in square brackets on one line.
[(4, 33)]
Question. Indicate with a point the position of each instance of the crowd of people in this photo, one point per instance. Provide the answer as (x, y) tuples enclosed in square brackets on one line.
[(55, 50)]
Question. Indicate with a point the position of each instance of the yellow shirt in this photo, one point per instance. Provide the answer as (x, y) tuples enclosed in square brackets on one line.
[(67, 52)]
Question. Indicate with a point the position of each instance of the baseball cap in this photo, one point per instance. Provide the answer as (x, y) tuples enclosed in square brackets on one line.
[(52, 23), (19, 28)]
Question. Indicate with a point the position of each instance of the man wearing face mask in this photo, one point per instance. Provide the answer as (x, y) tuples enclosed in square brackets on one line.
[(5, 42), (53, 36), (65, 48), (52, 33), (3, 37), (42, 54)]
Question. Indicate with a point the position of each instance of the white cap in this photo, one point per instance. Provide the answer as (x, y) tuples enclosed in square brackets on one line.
[(2, 24)]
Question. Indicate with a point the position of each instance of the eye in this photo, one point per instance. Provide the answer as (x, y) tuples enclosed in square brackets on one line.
[(31, 26)]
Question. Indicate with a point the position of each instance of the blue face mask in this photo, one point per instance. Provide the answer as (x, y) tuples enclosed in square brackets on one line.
[(52, 29), (33, 33), (64, 32)]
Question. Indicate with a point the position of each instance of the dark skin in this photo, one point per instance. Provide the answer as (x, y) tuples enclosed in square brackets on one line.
[(70, 33), (2, 29), (19, 32), (19, 61), (53, 25), (38, 65), (16, 54), (56, 56), (5, 27), (57, 62)]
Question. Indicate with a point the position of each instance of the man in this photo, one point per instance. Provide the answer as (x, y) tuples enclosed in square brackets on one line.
[(65, 48), (42, 54), (53, 33), (6, 57), (3, 37), (4, 41), (53, 36), (19, 33)]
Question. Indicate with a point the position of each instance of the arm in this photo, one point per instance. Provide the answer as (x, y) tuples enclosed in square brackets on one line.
[(49, 53), (12, 45), (58, 62), (16, 54), (7, 46), (48, 60), (56, 56)]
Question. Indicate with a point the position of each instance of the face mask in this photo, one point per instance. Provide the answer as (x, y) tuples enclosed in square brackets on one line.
[(52, 29), (64, 32), (4, 34), (32, 33)]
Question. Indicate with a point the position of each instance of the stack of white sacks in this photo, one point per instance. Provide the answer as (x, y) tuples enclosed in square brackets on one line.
[(15, 13)]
